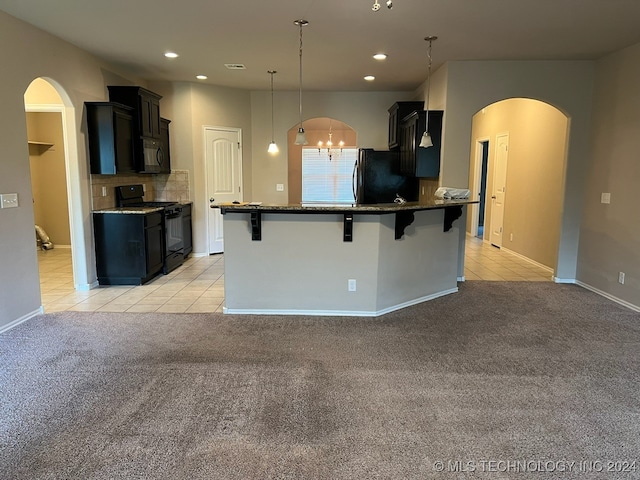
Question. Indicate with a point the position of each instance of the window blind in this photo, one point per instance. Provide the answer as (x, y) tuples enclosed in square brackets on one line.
[(328, 181)]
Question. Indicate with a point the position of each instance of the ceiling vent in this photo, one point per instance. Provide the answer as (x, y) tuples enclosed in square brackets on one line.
[(235, 66)]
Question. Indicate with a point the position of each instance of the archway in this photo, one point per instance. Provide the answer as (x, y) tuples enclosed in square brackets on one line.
[(537, 138), (317, 129), (46, 95)]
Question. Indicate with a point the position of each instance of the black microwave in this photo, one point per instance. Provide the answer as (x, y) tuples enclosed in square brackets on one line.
[(153, 155)]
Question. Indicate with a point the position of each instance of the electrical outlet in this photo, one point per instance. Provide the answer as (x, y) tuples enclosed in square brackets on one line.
[(351, 285), (279, 187), (104, 191), (621, 278), (8, 200), (605, 198), (511, 237), (422, 190)]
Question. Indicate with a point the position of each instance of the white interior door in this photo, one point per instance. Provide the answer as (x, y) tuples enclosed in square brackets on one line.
[(499, 189), (223, 158)]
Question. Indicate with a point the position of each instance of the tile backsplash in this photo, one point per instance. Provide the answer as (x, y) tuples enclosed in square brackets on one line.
[(173, 187)]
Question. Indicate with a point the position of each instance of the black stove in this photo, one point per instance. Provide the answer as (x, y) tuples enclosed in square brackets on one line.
[(132, 196)]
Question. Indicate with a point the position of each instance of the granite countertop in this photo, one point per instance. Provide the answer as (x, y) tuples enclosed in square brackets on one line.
[(315, 208), (130, 210), (137, 210)]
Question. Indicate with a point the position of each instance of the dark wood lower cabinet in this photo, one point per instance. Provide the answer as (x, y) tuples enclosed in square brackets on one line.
[(130, 248)]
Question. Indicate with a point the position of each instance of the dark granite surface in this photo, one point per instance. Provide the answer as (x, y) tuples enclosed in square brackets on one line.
[(380, 208), (130, 210), (136, 210)]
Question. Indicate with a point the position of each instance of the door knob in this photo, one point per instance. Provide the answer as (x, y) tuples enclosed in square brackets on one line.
[(493, 196), (211, 200)]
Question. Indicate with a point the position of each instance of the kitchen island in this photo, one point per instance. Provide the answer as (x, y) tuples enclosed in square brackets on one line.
[(363, 260)]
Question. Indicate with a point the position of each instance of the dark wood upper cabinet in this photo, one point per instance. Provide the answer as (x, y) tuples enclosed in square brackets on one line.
[(146, 105), (165, 150), (415, 160), (150, 134), (397, 112), (110, 134)]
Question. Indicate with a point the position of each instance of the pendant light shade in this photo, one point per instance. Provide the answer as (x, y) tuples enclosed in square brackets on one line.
[(273, 148), (426, 141), (301, 137)]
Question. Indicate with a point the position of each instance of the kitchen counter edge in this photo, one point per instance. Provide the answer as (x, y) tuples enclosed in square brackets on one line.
[(363, 209)]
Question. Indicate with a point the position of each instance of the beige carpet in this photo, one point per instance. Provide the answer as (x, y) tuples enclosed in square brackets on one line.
[(533, 374)]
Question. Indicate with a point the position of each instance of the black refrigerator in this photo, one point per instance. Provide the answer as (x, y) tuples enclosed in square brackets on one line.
[(377, 178)]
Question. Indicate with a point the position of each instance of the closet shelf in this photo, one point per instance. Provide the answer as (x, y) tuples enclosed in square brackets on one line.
[(40, 147)]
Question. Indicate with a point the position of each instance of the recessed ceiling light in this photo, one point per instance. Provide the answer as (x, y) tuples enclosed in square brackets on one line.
[(201, 77), (369, 78), (380, 56), (171, 55)]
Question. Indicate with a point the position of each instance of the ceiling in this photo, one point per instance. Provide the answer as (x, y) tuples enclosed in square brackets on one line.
[(339, 41)]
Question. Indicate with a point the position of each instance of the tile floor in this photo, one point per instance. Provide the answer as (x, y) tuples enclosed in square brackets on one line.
[(482, 261), (198, 285)]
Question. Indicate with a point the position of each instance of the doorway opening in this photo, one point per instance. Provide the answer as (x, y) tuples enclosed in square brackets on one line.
[(480, 188), (519, 209), (55, 181)]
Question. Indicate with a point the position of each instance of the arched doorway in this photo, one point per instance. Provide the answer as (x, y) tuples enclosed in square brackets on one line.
[(317, 130), (45, 95), (517, 172)]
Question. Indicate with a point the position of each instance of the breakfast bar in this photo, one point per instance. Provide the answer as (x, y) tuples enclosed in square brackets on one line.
[(363, 260)]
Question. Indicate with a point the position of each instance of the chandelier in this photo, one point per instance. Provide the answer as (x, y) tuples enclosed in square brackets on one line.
[(331, 151)]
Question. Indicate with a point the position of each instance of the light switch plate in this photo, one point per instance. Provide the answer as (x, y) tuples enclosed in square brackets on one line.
[(605, 198), (8, 200)]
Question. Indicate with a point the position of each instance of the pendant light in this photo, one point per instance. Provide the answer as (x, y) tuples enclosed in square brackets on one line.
[(426, 141), (301, 137), (273, 148)]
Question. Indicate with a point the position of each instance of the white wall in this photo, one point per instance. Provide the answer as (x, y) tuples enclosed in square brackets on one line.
[(610, 233)]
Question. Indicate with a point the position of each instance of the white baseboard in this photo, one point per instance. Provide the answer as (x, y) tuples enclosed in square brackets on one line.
[(85, 287), (624, 303), (563, 280), (24, 318), (339, 313), (527, 259)]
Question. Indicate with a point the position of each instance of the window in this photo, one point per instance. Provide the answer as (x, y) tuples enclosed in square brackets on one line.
[(328, 181)]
